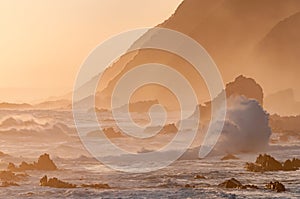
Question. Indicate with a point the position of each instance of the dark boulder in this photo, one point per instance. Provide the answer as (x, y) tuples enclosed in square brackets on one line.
[(235, 184), (276, 186), (55, 183), (289, 166), (232, 183), (189, 186), (268, 163)]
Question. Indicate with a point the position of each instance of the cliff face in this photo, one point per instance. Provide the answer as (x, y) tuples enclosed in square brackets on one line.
[(233, 32), (282, 103), (277, 56)]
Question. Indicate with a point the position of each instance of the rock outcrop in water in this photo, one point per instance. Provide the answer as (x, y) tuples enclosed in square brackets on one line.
[(235, 184), (268, 163), (199, 177), (232, 183), (246, 87), (230, 157), (96, 186), (55, 183), (44, 163), (3, 154), (276, 186)]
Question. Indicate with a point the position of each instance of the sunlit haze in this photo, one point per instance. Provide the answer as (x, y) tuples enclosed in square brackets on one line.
[(43, 43)]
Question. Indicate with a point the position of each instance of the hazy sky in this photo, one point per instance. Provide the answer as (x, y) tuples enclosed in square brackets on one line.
[(43, 42)]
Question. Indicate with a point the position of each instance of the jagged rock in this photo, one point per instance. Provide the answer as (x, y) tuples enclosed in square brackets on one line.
[(44, 163), (268, 163), (43, 180), (169, 128), (199, 177), (296, 162), (232, 183), (247, 87), (55, 183), (96, 186), (276, 186), (229, 157), (288, 165), (235, 184)]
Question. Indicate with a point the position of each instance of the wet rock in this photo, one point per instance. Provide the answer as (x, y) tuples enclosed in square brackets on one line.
[(276, 186), (10, 176), (296, 162), (232, 183), (268, 163), (169, 128), (55, 183), (229, 157), (288, 166), (199, 177), (8, 184), (96, 186), (189, 186), (250, 186), (44, 163), (235, 184)]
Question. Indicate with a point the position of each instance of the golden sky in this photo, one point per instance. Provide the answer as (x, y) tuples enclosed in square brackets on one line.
[(44, 42)]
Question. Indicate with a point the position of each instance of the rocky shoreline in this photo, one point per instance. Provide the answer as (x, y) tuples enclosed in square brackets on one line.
[(263, 163)]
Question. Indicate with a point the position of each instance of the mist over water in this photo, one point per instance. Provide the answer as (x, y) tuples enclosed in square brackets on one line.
[(246, 127)]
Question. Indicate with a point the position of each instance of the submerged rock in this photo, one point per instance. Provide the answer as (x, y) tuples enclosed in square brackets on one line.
[(96, 186), (232, 183), (268, 163), (189, 186), (276, 186), (199, 177), (229, 157), (235, 184), (44, 163), (55, 183), (8, 184)]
